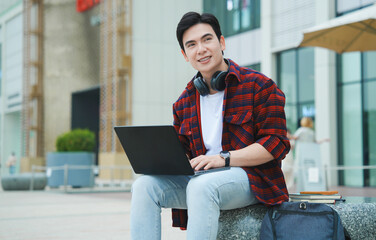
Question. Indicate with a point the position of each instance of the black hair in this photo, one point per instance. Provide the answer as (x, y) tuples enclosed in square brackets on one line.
[(192, 18)]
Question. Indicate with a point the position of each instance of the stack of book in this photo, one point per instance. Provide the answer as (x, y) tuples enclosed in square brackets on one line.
[(329, 197)]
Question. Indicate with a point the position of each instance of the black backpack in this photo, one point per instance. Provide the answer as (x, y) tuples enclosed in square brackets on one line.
[(302, 220)]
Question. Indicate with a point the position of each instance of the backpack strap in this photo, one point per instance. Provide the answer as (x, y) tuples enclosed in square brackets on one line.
[(335, 215), (347, 235), (336, 219), (271, 217)]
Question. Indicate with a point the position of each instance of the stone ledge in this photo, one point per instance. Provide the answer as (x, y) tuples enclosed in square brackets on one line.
[(22, 181), (245, 223)]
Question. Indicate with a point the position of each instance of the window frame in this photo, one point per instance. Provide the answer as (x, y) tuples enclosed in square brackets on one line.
[(220, 10), (298, 104), (365, 124)]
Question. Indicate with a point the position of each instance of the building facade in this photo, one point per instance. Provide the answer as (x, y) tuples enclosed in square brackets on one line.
[(335, 90), (11, 70)]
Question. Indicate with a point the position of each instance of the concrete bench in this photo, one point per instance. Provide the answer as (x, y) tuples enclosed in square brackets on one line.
[(359, 219), (23, 181)]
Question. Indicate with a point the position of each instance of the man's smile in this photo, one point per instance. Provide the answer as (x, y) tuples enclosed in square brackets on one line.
[(205, 59)]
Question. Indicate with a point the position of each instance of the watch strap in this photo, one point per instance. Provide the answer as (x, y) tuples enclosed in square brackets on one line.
[(227, 161), (226, 156)]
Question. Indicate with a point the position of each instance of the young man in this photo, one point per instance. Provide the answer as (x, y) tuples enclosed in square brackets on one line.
[(226, 116)]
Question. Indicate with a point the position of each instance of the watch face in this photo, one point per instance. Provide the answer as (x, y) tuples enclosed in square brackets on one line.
[(225, 154)]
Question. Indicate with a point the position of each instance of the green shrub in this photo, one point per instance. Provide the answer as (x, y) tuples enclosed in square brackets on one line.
[(77, 140)]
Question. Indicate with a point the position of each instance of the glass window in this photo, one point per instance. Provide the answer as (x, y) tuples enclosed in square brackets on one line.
[(218, 8), (351, 134), (296, 80), (345, 6), (291, 117), (306, 75), (370, 118), (256, 13), (246, 13), (357, 119), (287, 77), (235, 16), (350, 67), (1, 61), (256, 67), (1, 69), (369, 65), (307, 110)]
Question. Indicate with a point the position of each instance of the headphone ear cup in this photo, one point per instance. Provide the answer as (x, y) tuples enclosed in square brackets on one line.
[(201, 86), (218, 81)]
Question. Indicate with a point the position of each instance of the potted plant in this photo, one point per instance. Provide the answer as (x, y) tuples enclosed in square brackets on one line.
[(73, 160)]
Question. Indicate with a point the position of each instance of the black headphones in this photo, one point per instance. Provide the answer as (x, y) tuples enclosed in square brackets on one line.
[(217, 82)]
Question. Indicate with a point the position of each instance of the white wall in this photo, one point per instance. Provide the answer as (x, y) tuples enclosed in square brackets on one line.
[(12, 63), (71, 63), (244, 48), (11, 23), (289, 18), (325, 95), (267, 56), (7, 5), (160, 72)]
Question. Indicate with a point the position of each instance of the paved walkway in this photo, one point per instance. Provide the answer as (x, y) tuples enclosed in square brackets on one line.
[(46, 215), (53, 214)]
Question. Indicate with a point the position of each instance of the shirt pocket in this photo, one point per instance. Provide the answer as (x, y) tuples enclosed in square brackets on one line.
[(239, 118), (240, 128)]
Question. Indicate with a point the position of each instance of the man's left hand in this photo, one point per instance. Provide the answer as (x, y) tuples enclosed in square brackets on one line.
[(207, 162)]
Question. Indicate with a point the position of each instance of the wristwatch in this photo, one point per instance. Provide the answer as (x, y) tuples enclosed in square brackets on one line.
[(226, 156)]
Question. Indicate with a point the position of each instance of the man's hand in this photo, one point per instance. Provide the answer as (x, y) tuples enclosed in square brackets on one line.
[(252, 155), (207, 162)]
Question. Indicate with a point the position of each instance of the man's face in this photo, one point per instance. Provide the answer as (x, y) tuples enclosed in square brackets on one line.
[(203, 50)]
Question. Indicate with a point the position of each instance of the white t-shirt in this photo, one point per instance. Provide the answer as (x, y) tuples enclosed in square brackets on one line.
[(211, 107)]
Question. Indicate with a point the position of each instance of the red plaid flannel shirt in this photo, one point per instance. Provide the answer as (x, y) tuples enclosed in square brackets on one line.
[(253, 112)]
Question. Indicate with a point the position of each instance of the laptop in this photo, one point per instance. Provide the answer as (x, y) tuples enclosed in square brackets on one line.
[(156, 150)]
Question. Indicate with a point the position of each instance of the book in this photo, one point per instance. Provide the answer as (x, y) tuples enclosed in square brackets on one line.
[(314, 196), (329, 197), (327, 201), (320, 192)]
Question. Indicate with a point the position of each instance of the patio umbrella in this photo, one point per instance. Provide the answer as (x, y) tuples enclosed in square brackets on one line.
[(352, 32)]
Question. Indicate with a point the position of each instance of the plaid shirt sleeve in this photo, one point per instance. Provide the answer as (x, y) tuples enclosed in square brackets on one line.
[(270, 123), (267, 180)]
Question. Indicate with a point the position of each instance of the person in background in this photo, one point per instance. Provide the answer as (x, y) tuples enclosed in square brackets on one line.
[(11, 163), (304, 134)]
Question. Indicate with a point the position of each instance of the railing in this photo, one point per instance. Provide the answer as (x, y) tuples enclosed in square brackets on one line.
[(349, 167), (327, 170), (112, 182), (94, 170)]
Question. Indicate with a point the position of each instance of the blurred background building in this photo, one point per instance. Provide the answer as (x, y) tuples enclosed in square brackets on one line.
[(97, 64)]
